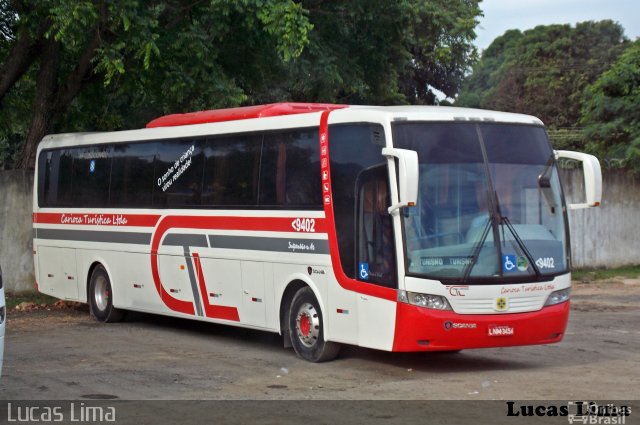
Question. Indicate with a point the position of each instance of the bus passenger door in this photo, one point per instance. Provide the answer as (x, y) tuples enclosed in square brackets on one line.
[(375, 256)]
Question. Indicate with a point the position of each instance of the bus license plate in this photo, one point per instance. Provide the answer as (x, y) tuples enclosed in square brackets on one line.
[(501, 330)]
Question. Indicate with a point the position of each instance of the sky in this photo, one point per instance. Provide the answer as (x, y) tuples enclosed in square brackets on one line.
[(502, 15)]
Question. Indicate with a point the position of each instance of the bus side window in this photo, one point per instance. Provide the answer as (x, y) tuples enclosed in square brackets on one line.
[(65, 179), (91, 176), (48, 171), (178, 173), (290, 170), (231, 170), (132, 176), (375, 242)]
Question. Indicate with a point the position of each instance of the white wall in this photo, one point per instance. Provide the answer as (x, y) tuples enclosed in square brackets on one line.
[(16, 257), (607, 236)]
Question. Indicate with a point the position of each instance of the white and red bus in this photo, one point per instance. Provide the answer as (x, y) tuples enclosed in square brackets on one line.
[(395, 228)]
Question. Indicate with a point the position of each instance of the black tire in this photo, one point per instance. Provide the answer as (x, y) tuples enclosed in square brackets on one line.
[(306, 328), (101, 297)]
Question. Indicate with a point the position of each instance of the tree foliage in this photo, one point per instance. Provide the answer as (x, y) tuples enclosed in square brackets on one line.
[(610, 111), (381, 52), (81, 65), (543, 71)]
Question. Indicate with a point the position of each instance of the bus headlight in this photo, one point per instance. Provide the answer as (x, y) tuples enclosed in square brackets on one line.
[(435, 302), (557, 297)]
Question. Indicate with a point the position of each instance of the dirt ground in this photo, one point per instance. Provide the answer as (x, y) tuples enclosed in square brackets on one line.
[(65, 354)]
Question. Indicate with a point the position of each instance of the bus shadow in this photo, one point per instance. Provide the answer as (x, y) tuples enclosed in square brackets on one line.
[(439, 362), (432, 362), (200, 329)]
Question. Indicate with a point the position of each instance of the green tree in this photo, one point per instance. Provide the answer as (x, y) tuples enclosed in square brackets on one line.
[(381, 52), (610, 111), (56, 50), (543, 71), (87, 65)]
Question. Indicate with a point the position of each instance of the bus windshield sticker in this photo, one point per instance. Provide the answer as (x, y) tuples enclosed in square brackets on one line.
[(445, 261), (522, 264), (509, 263), (363, 271), (546, 263)]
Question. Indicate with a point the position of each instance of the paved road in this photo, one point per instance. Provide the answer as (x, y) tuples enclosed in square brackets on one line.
[(64, 354)]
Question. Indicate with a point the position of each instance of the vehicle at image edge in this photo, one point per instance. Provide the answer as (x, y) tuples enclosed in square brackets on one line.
[(3, 321), (407, 228)]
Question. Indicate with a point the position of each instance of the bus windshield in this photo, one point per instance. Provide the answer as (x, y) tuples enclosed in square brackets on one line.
[(489, 208)]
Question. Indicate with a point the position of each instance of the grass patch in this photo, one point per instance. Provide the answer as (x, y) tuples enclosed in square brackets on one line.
[(630, 272), (13, 300)]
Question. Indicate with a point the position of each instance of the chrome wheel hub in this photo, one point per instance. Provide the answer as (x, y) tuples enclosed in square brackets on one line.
[(101, 294), (308, 325)]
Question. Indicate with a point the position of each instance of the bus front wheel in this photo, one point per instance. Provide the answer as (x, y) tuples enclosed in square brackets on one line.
[(306, 328), (101, 297)]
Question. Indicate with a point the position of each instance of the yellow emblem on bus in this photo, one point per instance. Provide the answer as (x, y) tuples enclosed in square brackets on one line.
[(501, 304)]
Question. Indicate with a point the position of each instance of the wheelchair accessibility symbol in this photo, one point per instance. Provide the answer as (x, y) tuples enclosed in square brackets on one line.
[(363, 271), (509, 263)]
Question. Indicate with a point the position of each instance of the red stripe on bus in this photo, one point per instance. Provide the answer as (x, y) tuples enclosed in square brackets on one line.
[(171, 302), (274, 224), (212, 311), (344, 281)]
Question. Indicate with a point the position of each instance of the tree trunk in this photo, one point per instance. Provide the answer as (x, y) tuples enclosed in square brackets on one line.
[(24, 52), (45, 102)]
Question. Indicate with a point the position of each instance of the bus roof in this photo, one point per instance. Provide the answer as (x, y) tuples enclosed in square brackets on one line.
[(241, 113), (301, 114), (291, 108)]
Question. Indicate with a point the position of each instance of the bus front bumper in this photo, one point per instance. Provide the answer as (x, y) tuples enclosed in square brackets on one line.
[(421, 329)]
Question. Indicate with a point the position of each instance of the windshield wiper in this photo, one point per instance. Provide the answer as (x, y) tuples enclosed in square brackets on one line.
[(497, 219), (502, 220), (475, 252), (522, 246), (492, 223)]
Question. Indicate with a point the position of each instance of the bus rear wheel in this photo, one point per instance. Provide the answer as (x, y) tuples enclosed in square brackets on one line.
[(306, 329), (101, 297)]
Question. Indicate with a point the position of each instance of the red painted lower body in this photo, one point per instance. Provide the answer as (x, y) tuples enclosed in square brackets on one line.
[(421, 329)]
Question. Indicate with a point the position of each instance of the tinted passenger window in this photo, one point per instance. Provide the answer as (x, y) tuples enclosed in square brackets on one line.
[(65, 179), (132, 174), (48, 165), (290, 170), (91, 175), (232, 167), (178, 171), (55, 178), (279, 169)]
